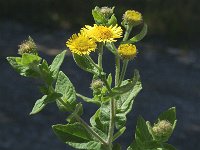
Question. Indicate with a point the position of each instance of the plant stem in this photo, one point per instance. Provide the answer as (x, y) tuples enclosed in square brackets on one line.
[(100, 54), (84, 124), (112, 124), (124, 67), (117, 70), (128, 31)]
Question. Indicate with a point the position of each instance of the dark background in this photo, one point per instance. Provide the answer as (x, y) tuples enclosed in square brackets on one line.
[(168, 60)]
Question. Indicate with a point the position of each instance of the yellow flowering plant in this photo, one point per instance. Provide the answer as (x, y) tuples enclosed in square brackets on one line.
[(114, 98)]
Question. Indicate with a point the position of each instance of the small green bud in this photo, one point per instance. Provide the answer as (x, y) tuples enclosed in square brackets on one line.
[(96, 84), (28, 46), (132, 17), (162, 130)]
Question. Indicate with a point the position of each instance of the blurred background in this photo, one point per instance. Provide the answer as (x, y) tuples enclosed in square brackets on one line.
[(168, 60)]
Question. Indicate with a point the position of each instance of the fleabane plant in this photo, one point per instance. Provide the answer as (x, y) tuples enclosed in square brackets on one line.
[(113, 94)]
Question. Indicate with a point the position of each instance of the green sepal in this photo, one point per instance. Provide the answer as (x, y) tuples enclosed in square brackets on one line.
[(66, 88), (55, 66), (41, 103), (139, 36), (85, 64)]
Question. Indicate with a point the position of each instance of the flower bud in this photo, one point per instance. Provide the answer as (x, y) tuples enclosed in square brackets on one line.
[(162, 130), (106, 11), (127, 51), (96, 84), (28, 46), (132, 17)]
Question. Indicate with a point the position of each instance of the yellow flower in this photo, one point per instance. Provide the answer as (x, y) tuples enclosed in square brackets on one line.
[(127, 51), (81, 44), (102, 33), (132, 17)]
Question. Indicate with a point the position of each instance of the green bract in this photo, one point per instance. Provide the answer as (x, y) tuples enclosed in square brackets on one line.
[(113, 94)]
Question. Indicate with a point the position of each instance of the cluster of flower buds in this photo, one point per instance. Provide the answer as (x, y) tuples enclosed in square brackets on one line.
[(28, 46), (162, 130)]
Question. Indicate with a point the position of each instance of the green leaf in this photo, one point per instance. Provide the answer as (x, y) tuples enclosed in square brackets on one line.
[(169, 115), (72, 133), (85, 64), (125, 101), (92, 145), (139, 36), (109, 79), (45, 72), (112, 21), (104, 115), (25, 65), (119, 133), (66, 88), (55, 66), (78, 111), (41, 103), (134, 146), (89, 100), (142, 133), (126, 86), (95, 122), (98, 17)]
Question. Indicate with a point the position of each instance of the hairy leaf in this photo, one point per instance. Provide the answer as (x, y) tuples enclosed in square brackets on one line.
[(66, 88)]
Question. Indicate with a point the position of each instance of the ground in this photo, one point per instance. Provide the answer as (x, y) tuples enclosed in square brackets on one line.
[(170, 77)]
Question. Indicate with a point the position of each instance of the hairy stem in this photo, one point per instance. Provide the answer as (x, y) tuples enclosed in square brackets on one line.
[(117, 70), (127, 32), (100, 54), (112, 124), (124, 67), (84, 124)]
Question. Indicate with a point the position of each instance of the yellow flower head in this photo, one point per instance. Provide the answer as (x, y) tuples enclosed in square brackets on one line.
[(102, 33), (127, 51), (81, 44), (132, 17)]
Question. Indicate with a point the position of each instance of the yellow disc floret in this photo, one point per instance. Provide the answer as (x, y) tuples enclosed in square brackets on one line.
[(81, 44), (132, 17), (102, 33), (127, 51)]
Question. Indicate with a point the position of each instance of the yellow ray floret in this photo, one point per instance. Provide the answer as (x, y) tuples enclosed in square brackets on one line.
[(102, 33), (81, 44), (127, 51)]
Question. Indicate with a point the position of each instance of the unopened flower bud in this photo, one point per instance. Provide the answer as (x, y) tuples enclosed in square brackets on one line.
[(127, 51), (162, 130), (132, 17), (106, 11), (96, 84), (28, 46)]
